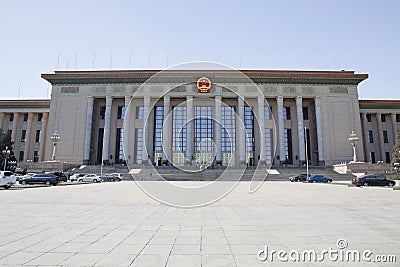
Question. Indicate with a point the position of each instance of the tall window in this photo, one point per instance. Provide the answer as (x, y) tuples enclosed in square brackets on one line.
[(25, 116), (11, 116), (139, 112), (158, 130), (102, 112), (228, 135), (203, 134), (35, 156), (139, 145), (121, 113), (370, 136), (267, 113), (249, 126), (23, 136), (385, 137), (387, 157), (288, 146), (179, 135), (397, 117), (268, 146), (383, 117), (40, 116), (305, 113), (369, 117), (21, 156), (119, 146), (373, 160), (38, 135), (286, 113)]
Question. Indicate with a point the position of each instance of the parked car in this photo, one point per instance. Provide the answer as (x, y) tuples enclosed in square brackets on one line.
[(75, 177), (60, 176), (372, 179), (319, 179), (7, 179), (41, 178), (94, 178), (299, 178), (118, 176)]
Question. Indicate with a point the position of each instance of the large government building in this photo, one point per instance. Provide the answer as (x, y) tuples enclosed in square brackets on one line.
[(222, 117)]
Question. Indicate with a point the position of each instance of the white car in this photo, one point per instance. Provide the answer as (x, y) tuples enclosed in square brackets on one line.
[(75, 177), (90, 178), (7, 179)]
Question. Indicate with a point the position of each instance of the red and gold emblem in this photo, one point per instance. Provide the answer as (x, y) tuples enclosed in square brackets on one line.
[(203, 85)]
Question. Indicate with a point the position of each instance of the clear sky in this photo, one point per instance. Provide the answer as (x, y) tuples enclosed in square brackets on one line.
[(36, 36)]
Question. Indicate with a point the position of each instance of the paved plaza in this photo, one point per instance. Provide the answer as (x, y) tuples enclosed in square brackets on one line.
[(116, 224)]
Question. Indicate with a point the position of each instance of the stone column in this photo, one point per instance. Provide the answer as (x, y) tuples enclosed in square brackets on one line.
[(281, 129), (2, 115), (300, 129), (364, 128), (107, 130), (318, 120), (394, 126), (43, 136), (218, 130), (167, 131), (28, 136), (88, 132), (380, 136), (261, 123), (189, 130), (241, 133), (126, 127), (146, 112), (14, 128)]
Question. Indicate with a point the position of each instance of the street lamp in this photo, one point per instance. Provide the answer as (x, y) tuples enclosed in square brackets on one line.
[(55, 138), (353, 139), (6, 153)]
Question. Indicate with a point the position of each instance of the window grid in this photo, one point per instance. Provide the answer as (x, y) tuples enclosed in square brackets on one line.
[(102, 112), (268, 146), (159, 118), (383, 117), (203, 125), (38, 135), (305, 113), (139, 145), (369, 118), (267, 113), (121, 113), (139, 112), (249, 126), (385, 137), (228, 129), (23, 136), (35, 156), (179, 135), (370, 136), (286, 113)]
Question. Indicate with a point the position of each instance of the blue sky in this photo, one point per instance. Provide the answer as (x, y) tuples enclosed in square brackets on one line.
[(36, 36)]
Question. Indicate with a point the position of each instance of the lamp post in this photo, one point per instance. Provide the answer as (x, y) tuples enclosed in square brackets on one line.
[(55, 138), (6, 153), (353, 139)]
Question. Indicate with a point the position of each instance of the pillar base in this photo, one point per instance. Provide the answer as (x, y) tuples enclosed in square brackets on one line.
[(188, 162), (321, 163)]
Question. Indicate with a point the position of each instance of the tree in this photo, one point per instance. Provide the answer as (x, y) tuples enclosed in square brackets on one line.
[(396, 150), (5, 142)]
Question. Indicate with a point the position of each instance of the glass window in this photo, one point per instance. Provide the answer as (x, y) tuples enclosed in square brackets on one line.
[(119, 157), (249, 126), (397, 117), (228, 135), (38, 135), (373, 160), (11, 116), (288, 146), (102, 112), (40, 116), (369, 117), (268, 146), (178, 135), (158, 129), (383, 117), (23, 135), (121, 113), (35, 156), (25, 116), (286, 113), (267, 113), (139, 145), (387, 157), (385, 137), (139, 112), (21, 156), (370, 136), (305, 113), (204, 133)]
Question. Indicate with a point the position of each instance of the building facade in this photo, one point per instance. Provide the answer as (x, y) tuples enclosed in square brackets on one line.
[(176, 118)]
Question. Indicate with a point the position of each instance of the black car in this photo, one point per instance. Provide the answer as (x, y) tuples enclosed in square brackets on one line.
[(372, 179), (42, 178), (60, 176), (299, 178)]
